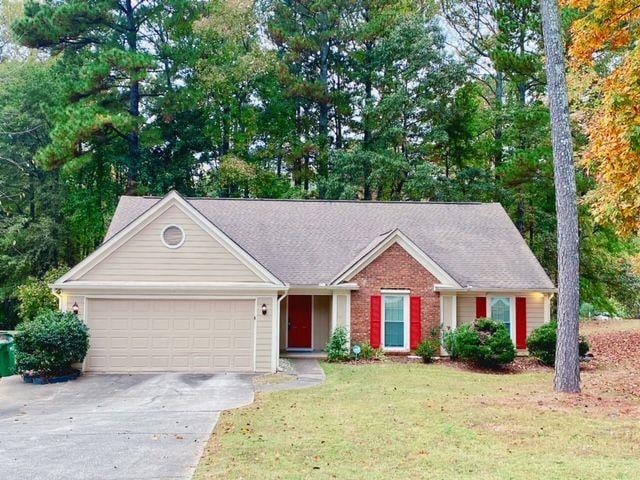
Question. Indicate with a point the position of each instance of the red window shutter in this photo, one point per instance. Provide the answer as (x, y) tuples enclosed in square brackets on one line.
[(481, 307), (415, 323), (521, 322), (376, 308)]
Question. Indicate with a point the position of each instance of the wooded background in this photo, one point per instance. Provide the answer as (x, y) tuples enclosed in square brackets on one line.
[(346, 99)]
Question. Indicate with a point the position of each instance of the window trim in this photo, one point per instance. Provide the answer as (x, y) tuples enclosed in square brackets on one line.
[(405, 318), (177, 245), (512, 312)]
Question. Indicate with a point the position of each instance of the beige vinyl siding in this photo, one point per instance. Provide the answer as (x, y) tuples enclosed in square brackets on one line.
[(69, 300), (535, 311), (321, 321), (264, 338), (466, 309), (535, 308), (145, 258)]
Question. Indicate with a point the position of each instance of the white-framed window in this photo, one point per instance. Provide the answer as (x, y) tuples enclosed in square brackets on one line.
[(172, 236), (395, 321), (502, 309)]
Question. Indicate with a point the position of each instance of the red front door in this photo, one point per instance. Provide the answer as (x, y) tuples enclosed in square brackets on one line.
[(299, 321)]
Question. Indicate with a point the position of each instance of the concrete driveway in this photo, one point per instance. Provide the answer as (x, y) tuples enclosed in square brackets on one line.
[(113, 426)]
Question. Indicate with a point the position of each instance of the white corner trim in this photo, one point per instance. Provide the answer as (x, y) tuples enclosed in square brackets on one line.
[(411, 248), (171, 199), (334, 311), (177, 245), (454, 312)]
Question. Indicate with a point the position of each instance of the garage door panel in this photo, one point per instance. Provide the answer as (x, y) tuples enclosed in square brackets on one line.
[(181, 324), (170, 335), (160, 361), (140, 342)]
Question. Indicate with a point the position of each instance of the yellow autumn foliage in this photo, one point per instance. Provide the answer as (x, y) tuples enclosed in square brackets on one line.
[(606, 39)]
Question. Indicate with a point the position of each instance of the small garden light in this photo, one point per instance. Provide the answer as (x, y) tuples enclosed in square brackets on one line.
[(75, 308), (264, 308)]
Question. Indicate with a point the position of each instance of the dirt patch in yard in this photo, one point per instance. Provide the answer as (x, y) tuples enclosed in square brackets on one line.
[(611, 380), (615, 346)]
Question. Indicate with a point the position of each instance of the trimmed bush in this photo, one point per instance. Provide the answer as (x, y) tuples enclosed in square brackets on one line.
[(542, 343), (484, 342), (338, 346), (50, 343), (428, 349)]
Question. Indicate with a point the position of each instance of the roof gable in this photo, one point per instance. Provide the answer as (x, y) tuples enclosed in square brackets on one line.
[(306, 242), (381, 244), (128, 254)]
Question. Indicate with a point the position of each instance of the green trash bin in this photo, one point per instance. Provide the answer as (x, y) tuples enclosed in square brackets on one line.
[(7, 355)]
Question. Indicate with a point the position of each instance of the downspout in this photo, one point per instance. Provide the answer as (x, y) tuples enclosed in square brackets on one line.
[(279, 303), (58, 294)]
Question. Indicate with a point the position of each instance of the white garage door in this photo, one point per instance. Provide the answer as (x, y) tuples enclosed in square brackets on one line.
[(170, 335)]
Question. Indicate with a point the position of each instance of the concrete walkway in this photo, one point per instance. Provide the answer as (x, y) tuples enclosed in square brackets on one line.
[(308, 373)]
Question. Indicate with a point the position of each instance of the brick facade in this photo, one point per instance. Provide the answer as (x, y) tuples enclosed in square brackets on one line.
[(394, 268)]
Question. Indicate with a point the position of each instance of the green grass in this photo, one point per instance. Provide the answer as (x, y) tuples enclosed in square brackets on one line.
[(416, 421)]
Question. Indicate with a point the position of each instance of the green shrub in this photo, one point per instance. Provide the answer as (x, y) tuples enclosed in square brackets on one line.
[(583, 346), (50, 343), (428, 349), (484, 342), (338, 346), (367, 352), (449, 342), (35, 295), (541, 343)]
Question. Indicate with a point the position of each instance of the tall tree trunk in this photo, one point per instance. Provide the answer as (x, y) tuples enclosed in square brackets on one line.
[(567, 378), (134, 105), (366, 119), (323, 124), (498, 126)]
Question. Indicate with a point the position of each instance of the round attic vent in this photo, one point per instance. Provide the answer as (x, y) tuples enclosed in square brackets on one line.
[(172, 236)]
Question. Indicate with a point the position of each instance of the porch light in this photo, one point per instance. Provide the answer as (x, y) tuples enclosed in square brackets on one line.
[(264, 308), (75, 308)]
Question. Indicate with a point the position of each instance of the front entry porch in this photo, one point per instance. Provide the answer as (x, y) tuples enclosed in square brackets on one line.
[(307, 320)]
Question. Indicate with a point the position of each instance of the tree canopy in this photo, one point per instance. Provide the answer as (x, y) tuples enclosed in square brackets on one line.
[(376, 99)]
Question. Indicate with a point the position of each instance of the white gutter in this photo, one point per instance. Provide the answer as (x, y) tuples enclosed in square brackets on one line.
[(324, 286), (447, 288), (182, 286)]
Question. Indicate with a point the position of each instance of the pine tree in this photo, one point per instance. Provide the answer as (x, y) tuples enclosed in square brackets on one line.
[(115, 57), (567, 377)]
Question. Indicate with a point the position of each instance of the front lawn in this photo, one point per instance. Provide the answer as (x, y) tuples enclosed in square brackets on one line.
[(390, 420)]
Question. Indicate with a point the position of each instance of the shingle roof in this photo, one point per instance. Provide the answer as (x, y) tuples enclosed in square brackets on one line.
[(307, 242)]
